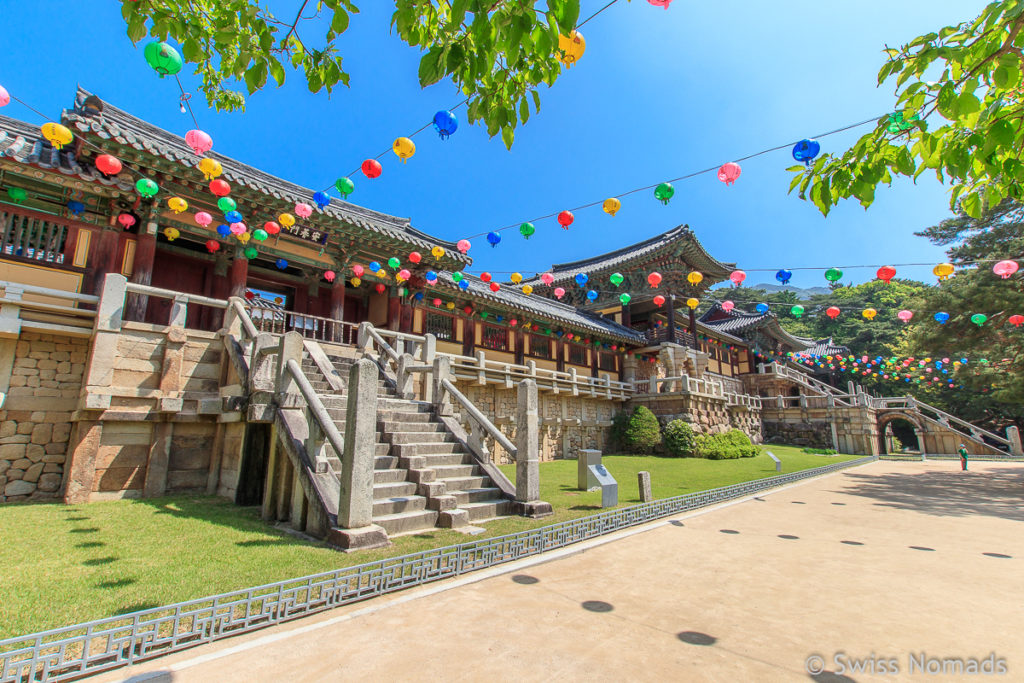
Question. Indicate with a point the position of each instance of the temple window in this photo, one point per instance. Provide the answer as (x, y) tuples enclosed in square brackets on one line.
[(540, 347), (440, 325), (494, 338)]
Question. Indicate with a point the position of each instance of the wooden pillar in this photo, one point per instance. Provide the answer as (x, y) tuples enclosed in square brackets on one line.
[(693, 327), (560, 351), (104, 257), (594, 361), (519, 340), (142, 274), (405, 318), (671, 317), (238, 275), (337, 311), (468, 336), (627, 318), (394, 313)]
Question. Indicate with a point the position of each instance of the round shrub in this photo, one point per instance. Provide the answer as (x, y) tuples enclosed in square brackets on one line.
[(642, 433), (726, 446), (679, 439)]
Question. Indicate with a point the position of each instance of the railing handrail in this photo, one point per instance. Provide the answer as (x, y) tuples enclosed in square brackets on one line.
[(243, 316), (480, 418), (46, 291), (472, 362), (316, 407), (171, 294), (918, 407)]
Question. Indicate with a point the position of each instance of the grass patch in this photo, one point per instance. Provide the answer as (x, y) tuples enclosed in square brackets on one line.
[(61, 565)]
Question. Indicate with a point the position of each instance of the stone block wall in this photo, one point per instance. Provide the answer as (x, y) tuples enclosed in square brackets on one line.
[(706, 414), (43, 386)]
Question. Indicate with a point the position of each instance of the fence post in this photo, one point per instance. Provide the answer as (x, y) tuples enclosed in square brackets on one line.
[(287, 387), (528, 501), (232, 321), (429, 349), (481, 362), (179, 311), (363, 340), (403, 378), (442, 371), (1013, 436)]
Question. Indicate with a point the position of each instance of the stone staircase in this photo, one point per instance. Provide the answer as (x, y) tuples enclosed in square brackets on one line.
[(423, 477)]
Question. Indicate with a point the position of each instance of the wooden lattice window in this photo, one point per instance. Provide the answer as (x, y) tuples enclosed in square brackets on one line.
[(577, 355), (440, 325), (494, 338), (606, 361), (540, 347)]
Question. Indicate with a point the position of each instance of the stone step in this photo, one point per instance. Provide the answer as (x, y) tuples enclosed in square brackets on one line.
[(388, 475), (385, 462), (454, 471), (396, 426), (463, 498), (384, 403), (439, 448), (454, 484), (393, 489), (418, 437), (403, 416), (407, 522), (487, 509), (398, 504), (435, 460), (381, 448)]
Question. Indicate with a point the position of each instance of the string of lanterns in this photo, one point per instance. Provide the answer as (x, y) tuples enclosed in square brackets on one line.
[(932, 371)]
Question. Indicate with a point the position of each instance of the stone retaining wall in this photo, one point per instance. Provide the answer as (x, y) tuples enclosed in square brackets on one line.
[(706, 414)]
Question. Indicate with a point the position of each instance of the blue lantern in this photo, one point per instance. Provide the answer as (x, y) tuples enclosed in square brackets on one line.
[(464, 284), (941, 317), (498, 318), (445, 123), (581, 280), (806, 150), (233, 217), (374, 266), (76, 207), (493, 238), (783, 276), (281, 263), (761, 308), (592, 295), (418, 296), (223, 230), (431, 277), (321, 199)]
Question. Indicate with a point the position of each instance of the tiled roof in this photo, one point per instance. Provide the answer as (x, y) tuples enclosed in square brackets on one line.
[(24, 143), (119, 125), (738, 322), (541, 306), (713, 269), (823, 347)]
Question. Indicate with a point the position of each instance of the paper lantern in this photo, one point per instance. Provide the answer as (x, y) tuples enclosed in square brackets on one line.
[(572, 47), (108, 165), (729, 172), (833, 274), (559, 293), (456, 276), (905, 315), (886, 273), (494, 286), (611, 206), (259, 234), (485, 277), (75, 207), (57, 135), (220, 188), (737, 277), (527, 229), (565, 219), (761, 308), (1005, 269), (694, 278), (355, 282), (403, 275), (223, 230), (371, 168), (437, 253), (797, 311), (233, 217), (806, 150), (281, 264), (943, 271), (450, 305), (547, 278), (237, 228), (979, 319), (616, 279), (660, 3), (146, 187), (463, 246), (5, 97), (415, 257), (663, 192), (624, 298), (591, 295), (212, 246), (250, 253), (272, 228), (727, 306), (177, 204), (516, 278), (869, 313), (654, 279), (226, 204), (17, 194), (199, 141), (784, 276), (394, 263), (380, 288), (202, 218), (494, 238), (692, 303), (832, 312), (437, 303), (321, 199), (286, 219), (581, 279), (358, 270), (430, 277), (243, 237), (527, 290), (303, 210), (171, 234), (659, 300), (445, 123), (403, 148), (1016, 320), (163, 58), (210, 168)]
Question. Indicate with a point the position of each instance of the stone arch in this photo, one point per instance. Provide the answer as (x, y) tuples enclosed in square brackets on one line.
[(885, 419)]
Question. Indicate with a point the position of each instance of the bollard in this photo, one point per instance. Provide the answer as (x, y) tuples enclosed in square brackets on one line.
[(644, 482)]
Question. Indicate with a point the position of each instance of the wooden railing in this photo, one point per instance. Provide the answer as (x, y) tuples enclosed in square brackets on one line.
[(279, 321), (34, 236), (663, 334)]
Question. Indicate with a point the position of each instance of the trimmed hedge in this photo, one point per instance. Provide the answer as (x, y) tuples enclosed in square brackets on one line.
[(731, 444), (637, 432), (679, 439), (820, 451)]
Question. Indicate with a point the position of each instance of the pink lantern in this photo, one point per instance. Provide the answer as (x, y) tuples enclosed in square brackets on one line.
[(358, 270), (237, 228), (204, 219), (303, 210), (1005, 269), (660, 3), (126, 220), (5, 97), (404, 275), (329, 275), (462, 245), (559, 292), (547, 278), (727, 306), (199, 141), (729, 172), (905, 315), (737, 277)]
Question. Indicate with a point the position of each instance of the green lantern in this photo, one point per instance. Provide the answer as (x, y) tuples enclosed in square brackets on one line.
[(146, 187), (483, 314), (394, 263), (833, 275), (979, 319), (17, 194), (664, 192), (797, 311), (527, 229), (616, 279), (164, 59), (251, 253), (226, 204), (624, 298), (344, 186), (456, 277), (259, 234)]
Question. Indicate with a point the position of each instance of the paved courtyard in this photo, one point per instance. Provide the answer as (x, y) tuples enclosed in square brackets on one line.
[(892, 564)]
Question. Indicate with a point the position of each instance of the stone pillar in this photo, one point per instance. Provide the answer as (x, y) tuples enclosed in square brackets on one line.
[(671, 318), (356, 529), (142, 272), (238, 276), (1013, 436), (528, 501), (643, 480)]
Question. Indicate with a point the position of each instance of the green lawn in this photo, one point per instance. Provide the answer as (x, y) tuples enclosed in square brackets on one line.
[(66, 564)]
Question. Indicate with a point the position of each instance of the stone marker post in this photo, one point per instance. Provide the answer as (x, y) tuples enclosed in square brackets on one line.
[(1013, 436), (585, 479), (356, 529), (644, 481), (528, 453)]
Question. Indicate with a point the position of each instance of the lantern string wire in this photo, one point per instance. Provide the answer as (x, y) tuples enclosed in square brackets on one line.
[(186, 100), (580, 24)]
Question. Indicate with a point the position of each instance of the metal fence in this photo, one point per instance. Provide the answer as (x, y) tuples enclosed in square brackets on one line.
[(76, 651)]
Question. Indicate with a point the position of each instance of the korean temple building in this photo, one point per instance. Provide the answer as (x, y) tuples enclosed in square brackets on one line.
[(130, 339)]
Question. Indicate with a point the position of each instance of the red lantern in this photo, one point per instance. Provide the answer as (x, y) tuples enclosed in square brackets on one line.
[(220, 187), (832, 312), (329, 276), (371, 168), (108, 165), (212, 246), (565, 219), (485, 277), (659, 300), (468, 310), (126, 220), (654, 279), (513, 322), (380, 288), (886, 273), (1017, 320), (271, 227), (495, 287), (415, 257), (437, 303), (250, 295)]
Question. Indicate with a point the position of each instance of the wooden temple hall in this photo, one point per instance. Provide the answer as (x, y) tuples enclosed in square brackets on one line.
[(66, 224)]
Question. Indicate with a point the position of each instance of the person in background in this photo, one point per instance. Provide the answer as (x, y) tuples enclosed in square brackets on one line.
[(963, 457)]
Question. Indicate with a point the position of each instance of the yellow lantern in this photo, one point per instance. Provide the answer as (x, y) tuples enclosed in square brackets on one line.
[(572, 46), (404, 148), (286, 219), (243, 237), (57, 134), (450, 305), (516, 278), (694, 278), (611, 206), (211, 168), (437, 252), (356, 282), (527, 290), (869, 313), (177, 204), (692, 303), (171, 234), (382, 274), (943, 271)]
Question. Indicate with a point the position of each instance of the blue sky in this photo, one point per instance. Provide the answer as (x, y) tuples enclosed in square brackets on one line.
[(658, 94)]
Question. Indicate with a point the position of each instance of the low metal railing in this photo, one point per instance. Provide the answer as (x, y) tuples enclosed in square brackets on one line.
[(74, 651)]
